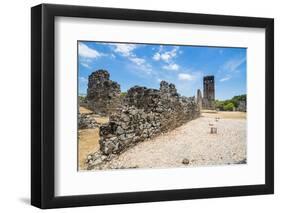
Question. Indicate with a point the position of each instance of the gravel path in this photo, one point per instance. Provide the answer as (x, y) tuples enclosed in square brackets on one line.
[(191, 143)]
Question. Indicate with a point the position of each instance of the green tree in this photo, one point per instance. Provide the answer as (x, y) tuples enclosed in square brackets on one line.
[(228, 107), (82, 98), (219, 104), (123, 94), (236, 99)]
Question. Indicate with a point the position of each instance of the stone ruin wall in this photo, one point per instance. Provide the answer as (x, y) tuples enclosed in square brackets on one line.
[(103, 94), (146, 113), (87, 121)]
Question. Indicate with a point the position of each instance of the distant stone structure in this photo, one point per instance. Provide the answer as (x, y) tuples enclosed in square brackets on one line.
[(103, 94), (199, 99), (141, 114), (208, 92), (242, 106)]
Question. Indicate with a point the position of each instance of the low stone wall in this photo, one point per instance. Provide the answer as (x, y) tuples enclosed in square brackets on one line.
[(146, 113), (87, 121), (84, 103)]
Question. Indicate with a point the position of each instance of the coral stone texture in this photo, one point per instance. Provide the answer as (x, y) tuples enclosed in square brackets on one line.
[(103, 94), (145, 114), (209, 92)]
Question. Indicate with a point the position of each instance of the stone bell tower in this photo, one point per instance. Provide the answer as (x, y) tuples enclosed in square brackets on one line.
[(209, 92)]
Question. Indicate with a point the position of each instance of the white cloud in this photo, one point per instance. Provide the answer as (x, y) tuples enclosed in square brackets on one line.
[(185, 77), (137, 61), (166, 56), (225, 78), (87, 52), (83, 78), (233, 64), (85, 65), (156, 56), (86, 62), (124, 49), (141, 64), (231, 68), (127, 51), (171, 67)]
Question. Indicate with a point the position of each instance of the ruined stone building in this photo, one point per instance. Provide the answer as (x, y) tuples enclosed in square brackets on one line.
[(103, 94), (146, 113), (208, 92), (199, 99), (141, 114)]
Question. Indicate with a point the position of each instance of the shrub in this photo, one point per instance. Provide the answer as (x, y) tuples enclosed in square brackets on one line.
[(219, 104), (123, 94), (228, 107), (82, 98)]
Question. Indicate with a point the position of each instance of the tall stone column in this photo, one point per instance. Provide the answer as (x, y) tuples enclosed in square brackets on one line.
[(209, 92)]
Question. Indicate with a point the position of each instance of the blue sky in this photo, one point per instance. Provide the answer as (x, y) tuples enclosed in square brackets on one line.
[(148, 64)]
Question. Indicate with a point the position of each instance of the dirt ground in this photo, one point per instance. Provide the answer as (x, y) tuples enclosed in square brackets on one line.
[(99, 119), (84, 110), (88, 139), (224, 115), (88, 143), (191, 144)]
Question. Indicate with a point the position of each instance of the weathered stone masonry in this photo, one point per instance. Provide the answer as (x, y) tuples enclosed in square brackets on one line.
[(209, 92), (103, 94), (146, 113), (86, 121)]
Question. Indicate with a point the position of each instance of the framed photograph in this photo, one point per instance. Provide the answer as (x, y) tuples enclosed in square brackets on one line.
[(139, 106)]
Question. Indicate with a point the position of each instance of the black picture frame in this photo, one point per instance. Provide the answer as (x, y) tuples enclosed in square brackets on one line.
[(43, 102)]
